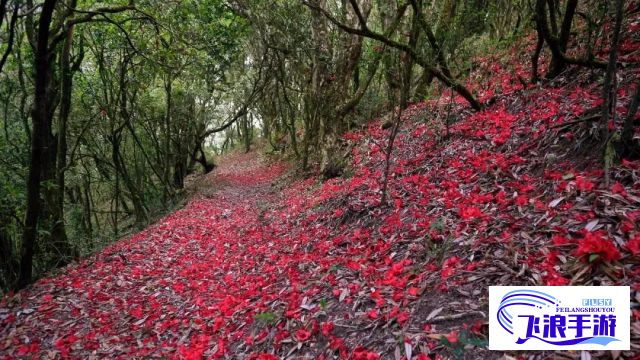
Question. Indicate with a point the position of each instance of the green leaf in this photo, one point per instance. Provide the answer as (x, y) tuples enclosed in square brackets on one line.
[(266, 318), (323, 304)]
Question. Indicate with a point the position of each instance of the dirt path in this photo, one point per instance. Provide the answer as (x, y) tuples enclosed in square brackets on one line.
[(173, 289)]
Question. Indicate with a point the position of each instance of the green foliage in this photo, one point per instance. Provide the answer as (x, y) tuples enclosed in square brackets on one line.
[(465, 338), (266, 319), (324, 304), (437, 225), (127, 150)]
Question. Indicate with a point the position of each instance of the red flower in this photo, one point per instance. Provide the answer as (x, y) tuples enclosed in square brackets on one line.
[(594, 243), (477, 327), (372, 314), (64, 344), (402, 317), (627, 226), (336, 343), (633, 245), (27, 349), (617, 188), (584, 184), (302, 335), (136, 312), (452, 337), (222, 349), (552, 278), (559, 240), (522, 200), (469, 212), (361, 353), (327, 328)]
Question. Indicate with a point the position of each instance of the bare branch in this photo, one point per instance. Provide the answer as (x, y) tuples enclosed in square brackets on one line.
[(433, 42), (258, 87), (361, 18), (90, 14), (420, 60), (12, 33), (351, 103)]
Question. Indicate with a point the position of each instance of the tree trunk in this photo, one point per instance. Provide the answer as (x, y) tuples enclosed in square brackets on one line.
[(168, 162), (609, 85), (202, 159), (332, 86), (535, 58), (319, 82), (8, 262), (557, 42), (630, 148), (247, 129), (86, 209), (40, 121), (408, 62), (58, 233)]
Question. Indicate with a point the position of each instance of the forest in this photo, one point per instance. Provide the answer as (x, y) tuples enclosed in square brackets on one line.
[(310, 179)]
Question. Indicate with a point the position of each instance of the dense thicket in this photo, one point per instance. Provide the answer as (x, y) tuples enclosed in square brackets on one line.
[(108, 106)]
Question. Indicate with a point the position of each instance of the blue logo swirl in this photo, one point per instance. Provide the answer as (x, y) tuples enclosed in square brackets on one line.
[(531, 298)]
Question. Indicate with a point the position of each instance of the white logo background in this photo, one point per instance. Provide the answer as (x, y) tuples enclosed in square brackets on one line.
[(538, 301)]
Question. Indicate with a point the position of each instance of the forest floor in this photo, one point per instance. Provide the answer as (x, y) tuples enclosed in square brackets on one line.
[(261, 262), (264, 264)]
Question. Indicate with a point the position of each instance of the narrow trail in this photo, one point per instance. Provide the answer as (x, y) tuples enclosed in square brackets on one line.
[(169, 290)]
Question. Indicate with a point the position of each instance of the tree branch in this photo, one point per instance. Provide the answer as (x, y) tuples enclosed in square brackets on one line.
[(89, 16), (555, 43), (259, 85), (366, 32), (12, 33), (373, 69), (433, 42), (361, 18)]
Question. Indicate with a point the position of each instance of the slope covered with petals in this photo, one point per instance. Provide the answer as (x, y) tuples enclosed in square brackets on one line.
[(267, 265)]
